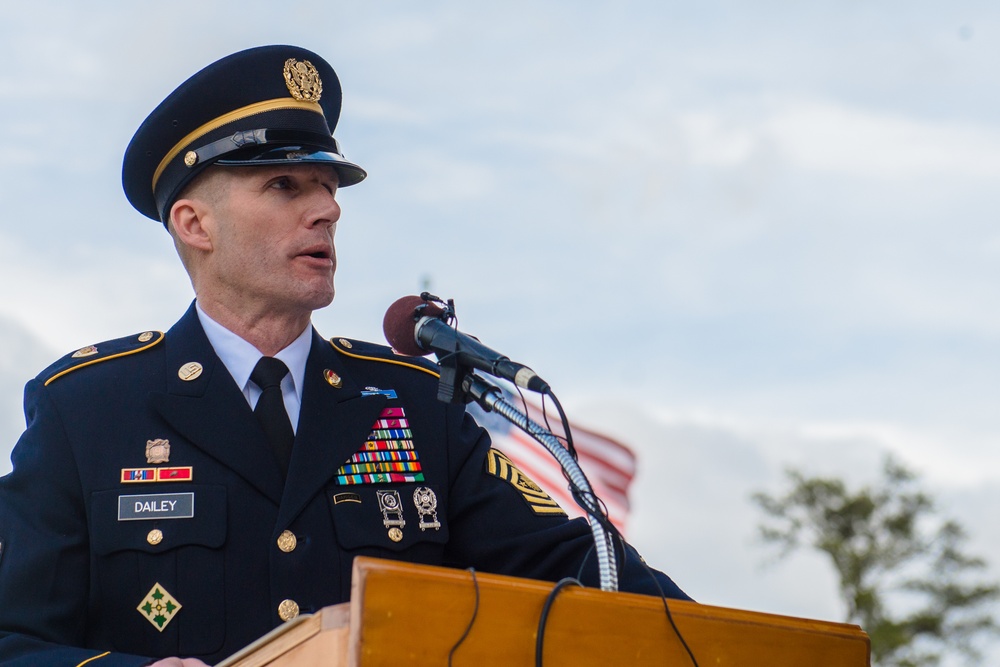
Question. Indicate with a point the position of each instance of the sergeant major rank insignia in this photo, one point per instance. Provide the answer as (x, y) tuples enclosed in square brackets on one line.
[(498, 465)]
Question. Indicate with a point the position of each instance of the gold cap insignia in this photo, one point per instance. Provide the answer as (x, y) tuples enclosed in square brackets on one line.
[(88, 351), (303, 80), (346, 343), (145, 336), (189, 371), (159, 607), (190, 158), (158, 451)]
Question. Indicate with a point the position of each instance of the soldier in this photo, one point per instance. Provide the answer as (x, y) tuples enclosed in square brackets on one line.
[(182, 493)]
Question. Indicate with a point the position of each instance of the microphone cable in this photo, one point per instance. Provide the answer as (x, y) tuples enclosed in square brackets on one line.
[(472, 621), (544, 618)]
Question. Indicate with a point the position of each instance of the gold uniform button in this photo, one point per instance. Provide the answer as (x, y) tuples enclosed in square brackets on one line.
[(155, 536), (287, 541), (288, 609)]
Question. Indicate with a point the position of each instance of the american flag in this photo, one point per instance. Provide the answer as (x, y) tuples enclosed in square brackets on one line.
[(608, 464)]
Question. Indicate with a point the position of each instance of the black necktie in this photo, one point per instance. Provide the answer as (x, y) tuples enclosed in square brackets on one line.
[(270, 410)]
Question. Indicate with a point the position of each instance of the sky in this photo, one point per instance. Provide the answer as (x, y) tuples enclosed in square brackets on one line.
[(738, 236)]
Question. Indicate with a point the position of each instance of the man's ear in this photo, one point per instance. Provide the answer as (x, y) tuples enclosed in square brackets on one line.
[(187, 217)]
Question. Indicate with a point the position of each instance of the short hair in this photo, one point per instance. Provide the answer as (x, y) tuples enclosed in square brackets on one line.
[(210, 186)]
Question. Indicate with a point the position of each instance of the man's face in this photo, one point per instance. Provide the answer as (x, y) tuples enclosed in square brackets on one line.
[(272, 234)]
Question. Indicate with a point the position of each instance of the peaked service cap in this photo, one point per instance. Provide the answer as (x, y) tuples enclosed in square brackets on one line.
[(265, 105)]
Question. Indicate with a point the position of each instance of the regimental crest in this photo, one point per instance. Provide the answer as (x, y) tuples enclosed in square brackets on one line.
[(159, 607), (303, 80), (158, 451)]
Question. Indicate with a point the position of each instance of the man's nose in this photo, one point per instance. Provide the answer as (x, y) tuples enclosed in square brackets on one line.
[(325, 207)]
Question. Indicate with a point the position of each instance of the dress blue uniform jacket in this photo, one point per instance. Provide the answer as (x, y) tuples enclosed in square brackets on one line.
[(73, 572)]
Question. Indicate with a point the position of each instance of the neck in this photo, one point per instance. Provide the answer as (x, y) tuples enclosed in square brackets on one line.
[(267, 330)]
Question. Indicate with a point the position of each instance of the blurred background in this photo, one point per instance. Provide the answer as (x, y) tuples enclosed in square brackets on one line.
[(734, 236)]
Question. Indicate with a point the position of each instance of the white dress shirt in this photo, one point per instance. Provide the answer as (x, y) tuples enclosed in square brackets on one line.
[(240, 357)]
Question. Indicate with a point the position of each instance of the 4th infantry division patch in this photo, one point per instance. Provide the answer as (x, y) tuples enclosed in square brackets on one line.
[(159, 607), (498, 465)]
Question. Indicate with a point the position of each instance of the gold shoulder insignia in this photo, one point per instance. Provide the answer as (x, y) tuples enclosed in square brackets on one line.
[(371, 352), (498, 465), (94, 354)]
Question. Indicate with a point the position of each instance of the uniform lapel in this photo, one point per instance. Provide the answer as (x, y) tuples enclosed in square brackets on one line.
[(211, 411), (334, 424)]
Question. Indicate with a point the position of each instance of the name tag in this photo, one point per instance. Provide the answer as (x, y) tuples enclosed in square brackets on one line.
[(156, 506)]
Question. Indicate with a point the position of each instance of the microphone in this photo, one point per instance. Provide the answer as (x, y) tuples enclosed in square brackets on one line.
[(414, 327)]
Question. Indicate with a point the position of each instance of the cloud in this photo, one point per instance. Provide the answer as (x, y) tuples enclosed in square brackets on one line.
[(864, 143), (22, 356)]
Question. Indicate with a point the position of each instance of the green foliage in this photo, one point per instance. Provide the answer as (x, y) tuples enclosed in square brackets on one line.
[(902, 573)]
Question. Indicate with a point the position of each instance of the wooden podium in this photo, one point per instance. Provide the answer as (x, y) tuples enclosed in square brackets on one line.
[(402, 614)]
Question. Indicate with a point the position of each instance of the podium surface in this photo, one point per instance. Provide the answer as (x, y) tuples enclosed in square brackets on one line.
[(402, 614)]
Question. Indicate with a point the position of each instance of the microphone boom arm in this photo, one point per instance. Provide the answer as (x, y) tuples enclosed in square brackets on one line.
[(490, 398)]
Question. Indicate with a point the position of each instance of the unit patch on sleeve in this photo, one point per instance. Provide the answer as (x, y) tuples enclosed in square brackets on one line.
[(498, 465), (388, 455)]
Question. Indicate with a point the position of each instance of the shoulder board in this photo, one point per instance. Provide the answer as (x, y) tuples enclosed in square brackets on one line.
[(95, 354), (371, 352)]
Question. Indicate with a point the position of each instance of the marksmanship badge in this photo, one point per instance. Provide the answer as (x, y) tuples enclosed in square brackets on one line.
[(159, 607), (303, 80), (426, 502), (392, 512)]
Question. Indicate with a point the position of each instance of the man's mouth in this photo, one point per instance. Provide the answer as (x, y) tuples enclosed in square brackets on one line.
[(317, 252)]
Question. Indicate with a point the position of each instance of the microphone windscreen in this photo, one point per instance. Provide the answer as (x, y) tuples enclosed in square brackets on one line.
[(400, 321)]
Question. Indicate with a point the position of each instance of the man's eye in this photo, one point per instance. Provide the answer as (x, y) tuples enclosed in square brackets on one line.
[(281, 184)]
